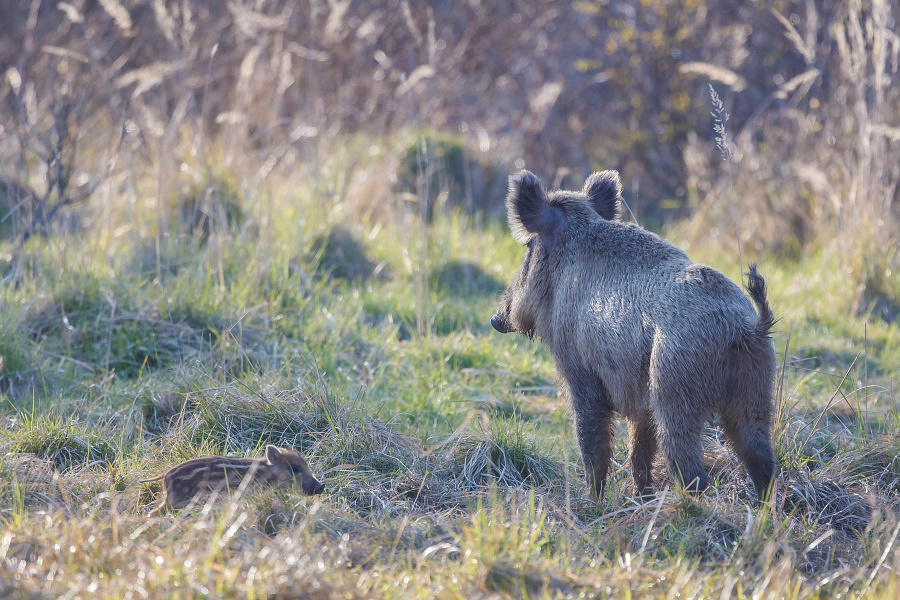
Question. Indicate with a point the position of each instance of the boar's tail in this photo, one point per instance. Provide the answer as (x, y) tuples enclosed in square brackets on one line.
[(756, 287)]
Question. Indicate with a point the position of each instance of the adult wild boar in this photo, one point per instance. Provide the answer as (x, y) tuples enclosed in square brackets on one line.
[(638, 329)]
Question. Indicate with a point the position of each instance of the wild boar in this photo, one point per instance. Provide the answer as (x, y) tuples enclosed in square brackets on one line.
[(281, 467), (636, 328)]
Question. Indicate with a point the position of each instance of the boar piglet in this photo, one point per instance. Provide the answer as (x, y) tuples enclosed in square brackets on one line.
[(636, 328), (200, 476)]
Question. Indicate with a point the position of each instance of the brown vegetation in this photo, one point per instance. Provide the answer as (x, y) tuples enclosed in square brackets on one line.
[(560, 88)]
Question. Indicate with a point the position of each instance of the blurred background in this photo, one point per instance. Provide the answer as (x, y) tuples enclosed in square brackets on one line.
[(386, 104)]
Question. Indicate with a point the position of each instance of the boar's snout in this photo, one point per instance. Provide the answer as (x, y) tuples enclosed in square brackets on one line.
[(311, 487), (500, 324)]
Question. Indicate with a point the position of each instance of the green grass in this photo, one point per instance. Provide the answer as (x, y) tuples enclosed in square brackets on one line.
[(450, 462)]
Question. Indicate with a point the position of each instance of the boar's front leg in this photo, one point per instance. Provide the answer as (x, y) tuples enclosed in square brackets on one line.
[(594, 420)]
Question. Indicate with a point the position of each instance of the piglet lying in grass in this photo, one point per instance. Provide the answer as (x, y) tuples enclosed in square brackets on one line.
[(200, 476)]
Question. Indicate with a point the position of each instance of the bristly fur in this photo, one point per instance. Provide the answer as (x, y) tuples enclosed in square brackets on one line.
[(638, 329)]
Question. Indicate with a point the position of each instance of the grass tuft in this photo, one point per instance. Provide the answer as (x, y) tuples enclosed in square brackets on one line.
[(341, 256), (503, 449), (66, 444)]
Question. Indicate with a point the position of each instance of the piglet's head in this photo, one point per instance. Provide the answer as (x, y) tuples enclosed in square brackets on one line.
[(292, 466)]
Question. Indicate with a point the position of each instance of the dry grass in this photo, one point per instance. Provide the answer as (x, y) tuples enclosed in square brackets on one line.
[(816, 165), (485, 512)]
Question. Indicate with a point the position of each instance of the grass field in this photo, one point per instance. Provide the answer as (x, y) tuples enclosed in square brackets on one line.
[(138, 337)]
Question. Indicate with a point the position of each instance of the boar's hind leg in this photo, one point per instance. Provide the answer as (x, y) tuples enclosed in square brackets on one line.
[(753, 444), (594, 427), (642, 442), (676, 399), (679, 435)]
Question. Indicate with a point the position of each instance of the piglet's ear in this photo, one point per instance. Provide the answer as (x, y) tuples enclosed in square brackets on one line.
[(273, 454), (527, 208), (604, 192)]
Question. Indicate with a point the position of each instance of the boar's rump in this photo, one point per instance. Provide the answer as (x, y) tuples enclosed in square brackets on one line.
[(638, 329)]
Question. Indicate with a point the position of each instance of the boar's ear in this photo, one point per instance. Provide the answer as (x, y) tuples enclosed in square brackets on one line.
[(604, 192), (527, 208), (273, 454)]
